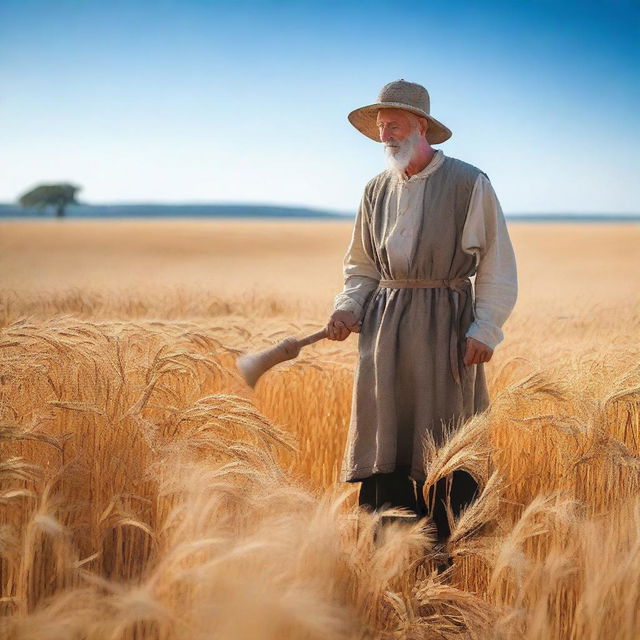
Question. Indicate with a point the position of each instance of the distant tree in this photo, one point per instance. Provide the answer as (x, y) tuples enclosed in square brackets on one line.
[(57, 196)]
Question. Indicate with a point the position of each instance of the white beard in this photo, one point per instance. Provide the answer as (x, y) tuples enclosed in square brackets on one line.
[(404, 150)]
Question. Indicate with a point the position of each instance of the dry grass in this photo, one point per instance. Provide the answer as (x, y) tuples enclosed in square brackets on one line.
[(145, 492)]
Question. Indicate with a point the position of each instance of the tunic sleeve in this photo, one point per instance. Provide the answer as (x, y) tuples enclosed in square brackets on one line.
[(359, 269), (486, 237)]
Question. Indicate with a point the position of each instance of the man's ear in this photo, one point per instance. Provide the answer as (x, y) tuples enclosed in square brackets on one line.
[(425, 126)]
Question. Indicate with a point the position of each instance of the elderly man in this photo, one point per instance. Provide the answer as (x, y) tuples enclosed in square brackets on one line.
[(424, 226)]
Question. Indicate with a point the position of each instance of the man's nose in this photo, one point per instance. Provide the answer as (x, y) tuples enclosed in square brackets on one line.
[(384, 135)]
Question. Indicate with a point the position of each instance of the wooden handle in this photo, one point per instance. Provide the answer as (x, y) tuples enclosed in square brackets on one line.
[(314, 337)]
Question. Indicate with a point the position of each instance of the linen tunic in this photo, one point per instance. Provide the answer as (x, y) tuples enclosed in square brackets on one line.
[(442, 223)]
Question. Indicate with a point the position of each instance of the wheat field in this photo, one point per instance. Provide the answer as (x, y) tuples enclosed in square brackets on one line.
[(147, 492)]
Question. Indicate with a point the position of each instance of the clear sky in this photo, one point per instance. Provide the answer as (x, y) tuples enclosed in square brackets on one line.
[(202, 101)]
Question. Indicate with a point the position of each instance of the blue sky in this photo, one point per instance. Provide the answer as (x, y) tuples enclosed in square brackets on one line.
[(200, 101)]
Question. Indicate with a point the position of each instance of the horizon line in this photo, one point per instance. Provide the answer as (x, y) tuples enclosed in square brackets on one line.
[(334, 212)]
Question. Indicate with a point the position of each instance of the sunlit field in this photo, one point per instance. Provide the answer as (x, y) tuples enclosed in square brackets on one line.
[(147, 492)]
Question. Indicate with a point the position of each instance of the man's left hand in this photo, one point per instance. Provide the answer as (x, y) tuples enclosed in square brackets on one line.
[(476, 352)]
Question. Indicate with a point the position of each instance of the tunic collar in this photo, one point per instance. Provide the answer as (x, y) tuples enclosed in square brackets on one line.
[(435, 162)]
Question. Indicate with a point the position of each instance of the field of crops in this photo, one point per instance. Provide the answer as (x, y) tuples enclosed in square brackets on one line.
[(147, 492)]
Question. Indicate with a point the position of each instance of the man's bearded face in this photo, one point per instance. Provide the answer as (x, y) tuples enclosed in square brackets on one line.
[(398, 153), (400, 135)]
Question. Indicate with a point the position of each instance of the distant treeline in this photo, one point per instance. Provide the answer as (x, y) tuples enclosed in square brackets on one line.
[(262, 211)]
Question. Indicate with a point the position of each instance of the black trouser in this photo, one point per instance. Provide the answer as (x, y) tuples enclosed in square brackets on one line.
[(397, 489)]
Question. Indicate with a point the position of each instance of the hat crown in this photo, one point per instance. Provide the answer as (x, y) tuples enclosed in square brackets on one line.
[(408, 93)]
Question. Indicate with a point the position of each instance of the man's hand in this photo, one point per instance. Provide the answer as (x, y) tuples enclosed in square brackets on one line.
[(341, 324), (476, 352)]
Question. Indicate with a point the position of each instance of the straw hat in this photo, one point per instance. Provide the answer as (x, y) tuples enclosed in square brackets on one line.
[(399, 95)]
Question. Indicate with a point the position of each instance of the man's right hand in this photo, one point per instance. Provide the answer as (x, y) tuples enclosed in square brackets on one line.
[(341, 324)]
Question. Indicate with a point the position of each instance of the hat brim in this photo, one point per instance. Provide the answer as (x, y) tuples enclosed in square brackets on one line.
[(364, 120)]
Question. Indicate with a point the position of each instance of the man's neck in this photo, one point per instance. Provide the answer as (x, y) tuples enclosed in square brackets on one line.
[(422, 158)]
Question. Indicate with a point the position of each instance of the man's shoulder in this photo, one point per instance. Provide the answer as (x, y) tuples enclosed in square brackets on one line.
[(465, 168), (381, 178), (377, 182)]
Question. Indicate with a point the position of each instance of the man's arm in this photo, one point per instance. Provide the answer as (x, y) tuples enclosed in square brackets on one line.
[(359, 269), (361, 278), (486, 237)]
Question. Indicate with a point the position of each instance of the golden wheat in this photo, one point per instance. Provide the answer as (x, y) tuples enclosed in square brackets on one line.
[(146, 492)]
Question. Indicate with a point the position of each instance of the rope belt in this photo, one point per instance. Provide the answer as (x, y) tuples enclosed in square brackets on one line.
[(454, 283), (455, 287)]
